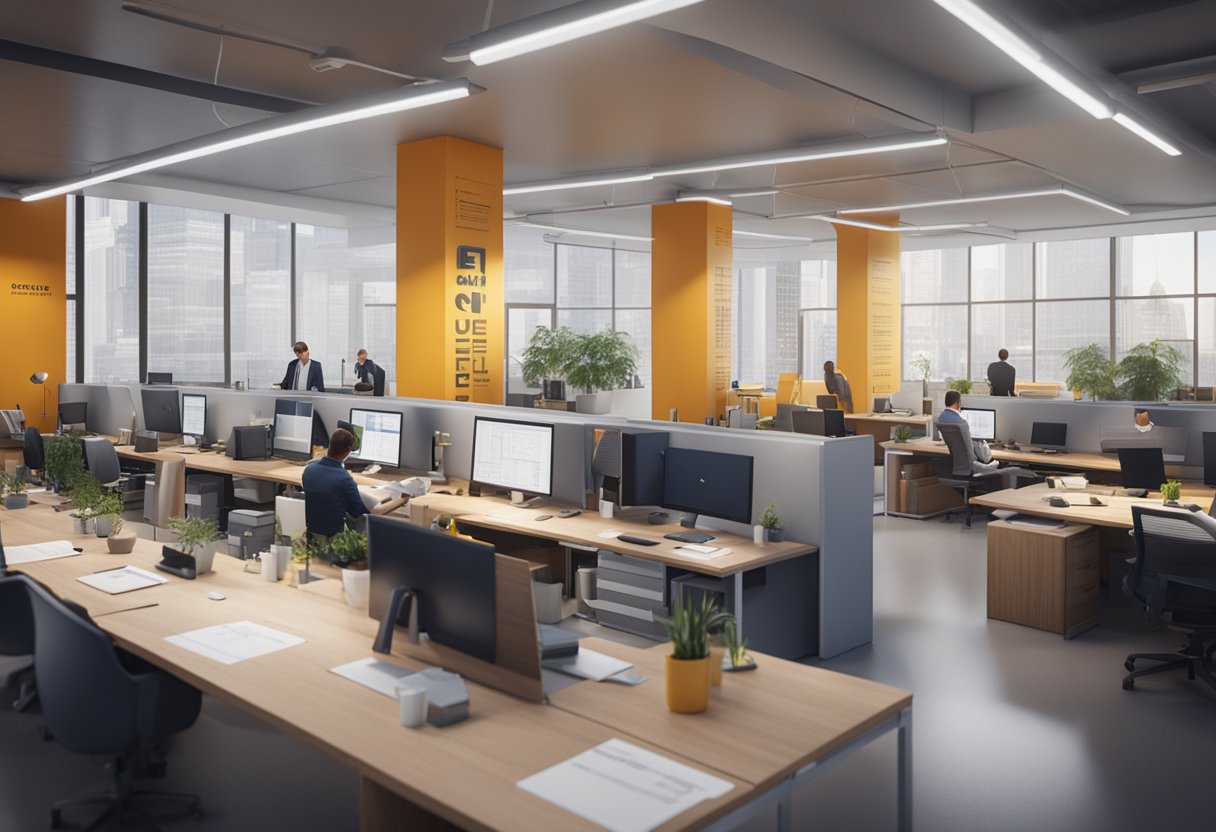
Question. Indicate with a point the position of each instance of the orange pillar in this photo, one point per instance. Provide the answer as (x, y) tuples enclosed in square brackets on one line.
[(867, 312), (690, 288), (33, 312), (450, 328)]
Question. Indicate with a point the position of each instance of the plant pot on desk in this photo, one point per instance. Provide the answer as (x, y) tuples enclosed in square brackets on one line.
[(356, 583), (122, 543), (15, 501), (775, 535), (687, 685)]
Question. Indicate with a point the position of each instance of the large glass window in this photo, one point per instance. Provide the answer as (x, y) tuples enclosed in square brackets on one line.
[(1207, 262), (70, 290), (1155, 264), (1206, 343), (940, 332), (766, 317), (1062, 325), (528, 266), (997, 326), (938, 276), (818, 340), (1073, 269), (1168, 320), (584, 277), (186, 293), (260, 259), (111, 275), (1002, 272)]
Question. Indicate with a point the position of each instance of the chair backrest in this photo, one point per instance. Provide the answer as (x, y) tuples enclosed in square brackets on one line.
[(290, 514), (1173, 542), (833, 422), (32, 449), (90, 703), (957, 436), (808, 421), (101, 459), (16, 619), (378, 379)]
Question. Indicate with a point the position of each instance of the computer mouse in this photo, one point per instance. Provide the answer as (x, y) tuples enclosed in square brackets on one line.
[(1058, 502), (216, 596)]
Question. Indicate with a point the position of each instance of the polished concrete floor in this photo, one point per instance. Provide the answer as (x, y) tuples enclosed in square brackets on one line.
[(1014, 729)]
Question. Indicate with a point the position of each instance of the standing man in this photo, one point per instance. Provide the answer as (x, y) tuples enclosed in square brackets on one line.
[(368, 372), (330, 493), (1001, 375), (303, 374), (838, 385)]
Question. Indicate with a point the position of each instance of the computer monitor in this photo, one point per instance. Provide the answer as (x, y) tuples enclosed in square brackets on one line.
[(882, 404), (642, 456), (1209, 459), (1141, 468), (516, 456), (194, 414), (826, 402), (292, 429), (1048, 434), (833, 422), (160, 378), (381, 439), (981, 420), (783, 420), (707, 482), (73, 415), (450, 578), (162, 412), (809, 422)]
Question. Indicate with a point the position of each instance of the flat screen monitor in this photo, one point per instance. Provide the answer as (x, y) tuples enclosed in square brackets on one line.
[(642, 468), (833, 422), (784, 418), (1209, 459), (160, 378), (162, 413), (708, 482), (517, 456), (981, 420), (1141, 468), (451, 577), (809, 422), (1049, 434), (74, 414), (826, 402), (381, 436), (292, 429), (882, 404), (194, 414)]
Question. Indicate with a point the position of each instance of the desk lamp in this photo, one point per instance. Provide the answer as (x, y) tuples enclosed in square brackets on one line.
[(40, 378)]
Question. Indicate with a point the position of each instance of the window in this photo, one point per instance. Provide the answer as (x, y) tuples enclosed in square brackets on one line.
[(1206, 343), (940, 332), (1002, 272), (1062, 325), (934, 276), (186, 293), (260, 268), (1155, 264), (1073, 269), (584, 277), (997, 326), (1207, 262), (111, 275), (70, 291), (527, 266), (766, 320)]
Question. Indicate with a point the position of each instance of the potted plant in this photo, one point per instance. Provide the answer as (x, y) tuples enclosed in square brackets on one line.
[(348, 550), (63, 460), (107, 506), (1149, 372), (1090, 371), (119, 542), (688, 664), (86, 493), (1171, 490), (770, 519), (902, 433), (194, 536), (962, 385), (546, 357), (923, 365), (13, 489), (600, 362), (301, 554), (736, 648)]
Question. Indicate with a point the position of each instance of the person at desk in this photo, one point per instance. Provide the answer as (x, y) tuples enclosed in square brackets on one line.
[(838, 385), (303, 374), (1143, 422), (1001, 375), (368, 372), (330, 493), (953, 413)]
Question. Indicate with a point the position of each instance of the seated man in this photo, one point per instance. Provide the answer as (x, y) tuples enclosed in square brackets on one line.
[(983, 457), (330, 493)]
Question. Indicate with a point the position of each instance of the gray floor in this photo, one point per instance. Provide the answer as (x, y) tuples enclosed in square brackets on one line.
[(1014, 729)]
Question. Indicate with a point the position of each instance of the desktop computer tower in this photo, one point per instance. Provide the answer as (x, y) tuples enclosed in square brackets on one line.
[(204, 494)]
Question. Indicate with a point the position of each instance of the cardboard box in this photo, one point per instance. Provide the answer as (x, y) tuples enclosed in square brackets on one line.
[(917, 470), (927, 495)]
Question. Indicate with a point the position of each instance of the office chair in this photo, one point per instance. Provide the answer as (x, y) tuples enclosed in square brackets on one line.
[(32, 451), (290, 514), (101, 459), (957, 471), (94, 705), (378, 378), (17, 633), (1174, 580)]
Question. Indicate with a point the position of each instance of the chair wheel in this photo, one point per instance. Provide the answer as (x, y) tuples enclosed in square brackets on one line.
[(1130, 664), (56, 819), (1129, 684)]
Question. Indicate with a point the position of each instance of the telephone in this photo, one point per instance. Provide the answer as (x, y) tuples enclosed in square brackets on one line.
[(14, 423)]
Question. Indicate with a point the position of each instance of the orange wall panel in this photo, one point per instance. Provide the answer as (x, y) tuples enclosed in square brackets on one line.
[(867, 313)]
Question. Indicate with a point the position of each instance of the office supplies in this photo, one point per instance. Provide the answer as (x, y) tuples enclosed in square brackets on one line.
[(382, 677), (982, 421), (1094, 501), (540, 517), (236, 642), (250, 442), (640, 541), (699, 549), (380, 433), (40, 551), (707, 482), (122, 579), (587, 664), (512, 455), (447, 698), (1036, 522), (14, 423), (1058, 502), (882, 404), (411, 702), (569, 512), (556, 642), (216, 596)]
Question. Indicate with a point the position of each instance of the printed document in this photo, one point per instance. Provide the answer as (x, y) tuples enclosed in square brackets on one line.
[(123, 579), (624, 788), (382, 677), (232, 643), (39, 551)]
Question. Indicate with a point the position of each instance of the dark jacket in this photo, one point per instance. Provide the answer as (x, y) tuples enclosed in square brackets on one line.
[(315, 380), (369, 372), (1001, 375)]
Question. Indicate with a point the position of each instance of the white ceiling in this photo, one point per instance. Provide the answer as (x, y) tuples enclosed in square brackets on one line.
[(721, 78)]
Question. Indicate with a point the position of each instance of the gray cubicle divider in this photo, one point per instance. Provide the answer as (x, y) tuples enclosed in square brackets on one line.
[(110, 407)]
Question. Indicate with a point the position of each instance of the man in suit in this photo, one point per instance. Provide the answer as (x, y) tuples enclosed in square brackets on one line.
[(368, 372), (303, 374), (1001, 375)]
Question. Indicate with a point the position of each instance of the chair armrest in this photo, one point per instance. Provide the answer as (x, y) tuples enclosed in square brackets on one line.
[(1156, 599)]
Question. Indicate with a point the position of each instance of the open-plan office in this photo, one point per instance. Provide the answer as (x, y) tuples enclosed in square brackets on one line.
[(570, 275)]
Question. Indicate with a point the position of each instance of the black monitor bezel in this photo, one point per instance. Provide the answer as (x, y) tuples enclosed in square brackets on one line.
[(1038, 444), (991, 410), (275, 451), (182, 410), (699, 510), (148, 395), (477, 420), (59, 413), (1142, 451), (166, 379), (400, 436)]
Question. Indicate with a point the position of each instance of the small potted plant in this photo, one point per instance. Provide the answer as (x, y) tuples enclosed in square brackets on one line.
[(119, 542), (107, 506), (64, 460), (194, 538), (1171, 490), (962, 385), (923, 365), (13, 489), (348, 550), (771, 521), (687, 667), (86, 493), (736, 648), (901, 433), (301, 555)]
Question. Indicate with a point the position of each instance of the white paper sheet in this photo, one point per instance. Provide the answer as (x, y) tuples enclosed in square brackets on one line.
[(126, 579), (718, 551), (381, 677), (39, 551), (624, 788), (232, 643), (588, 664)]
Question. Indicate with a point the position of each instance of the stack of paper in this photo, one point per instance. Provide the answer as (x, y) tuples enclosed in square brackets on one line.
[(39, 551), (123, 579)]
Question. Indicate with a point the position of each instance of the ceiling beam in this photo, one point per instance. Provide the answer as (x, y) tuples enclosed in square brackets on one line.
[(1171, 76)]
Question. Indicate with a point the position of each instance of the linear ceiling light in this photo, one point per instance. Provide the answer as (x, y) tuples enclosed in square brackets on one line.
[(550, 28), (580, 231), (809, 153), (745, 194), (761, 235), (1004, 38), (715, 200), (589, 181), (899, 229), (1146, 134), (313, 118), (1056, 190)]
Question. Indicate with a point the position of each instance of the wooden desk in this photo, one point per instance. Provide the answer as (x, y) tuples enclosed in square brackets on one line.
[(1073, 460), (879, 426), (1117, 513), (271, 470)]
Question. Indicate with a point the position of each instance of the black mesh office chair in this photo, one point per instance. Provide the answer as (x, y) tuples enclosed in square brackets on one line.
[(1174, 580), (32, 451), (378, 379), (17, 632), (94, 705), (957, 471), (101, 459)]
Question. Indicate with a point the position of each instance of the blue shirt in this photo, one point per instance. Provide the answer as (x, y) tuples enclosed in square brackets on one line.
[(950, 415), (330, 494)]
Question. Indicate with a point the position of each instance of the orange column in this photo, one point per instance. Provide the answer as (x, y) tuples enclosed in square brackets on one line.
[(690, 287), (867, 312), (33, 313), (450, 329)]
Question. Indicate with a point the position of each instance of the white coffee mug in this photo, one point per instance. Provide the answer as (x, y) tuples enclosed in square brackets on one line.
[(606, 509), (270, 569), (411, 701)]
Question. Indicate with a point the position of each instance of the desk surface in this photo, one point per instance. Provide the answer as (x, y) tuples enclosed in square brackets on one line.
[(892, 418), (272, 470), (1117, 512), (1077, 460)]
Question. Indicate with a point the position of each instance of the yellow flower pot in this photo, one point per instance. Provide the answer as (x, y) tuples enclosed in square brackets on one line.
[(715, 666), (687, 685)]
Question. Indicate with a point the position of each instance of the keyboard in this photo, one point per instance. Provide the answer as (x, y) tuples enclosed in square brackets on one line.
[(640, 541)]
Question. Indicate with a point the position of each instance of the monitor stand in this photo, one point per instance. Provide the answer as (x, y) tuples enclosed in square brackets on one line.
[(518, 500)]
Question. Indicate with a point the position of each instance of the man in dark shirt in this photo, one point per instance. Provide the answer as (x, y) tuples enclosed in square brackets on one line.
[(368, 372), (1001, 375), (330, 493)]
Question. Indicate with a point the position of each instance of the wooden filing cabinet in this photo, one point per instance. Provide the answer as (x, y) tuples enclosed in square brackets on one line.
[(1043, 578)]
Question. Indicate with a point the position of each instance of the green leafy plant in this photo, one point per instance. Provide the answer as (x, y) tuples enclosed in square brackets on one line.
[(548, 353), (604, 360), (11, 484), (348, 549), (923, 365), (765, 423), (962, 385), (86, 493), (193, 532), (736, 648), (1149, 372), (301, 548), (1171, 490), (902, 433), (64, 460), (770, 518), (1090, 371), (110, 504), (690, 625)]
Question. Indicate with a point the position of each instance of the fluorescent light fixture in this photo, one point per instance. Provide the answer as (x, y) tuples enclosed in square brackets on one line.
[(314, 118), (589, 181), (873, 226), (899, 229), (1144, 133), (809, 153), (550, 28), (716, 200), (745, 194), (761, 235), (1000, 35), (1055, 190), (1093, 200), (583, 232)]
